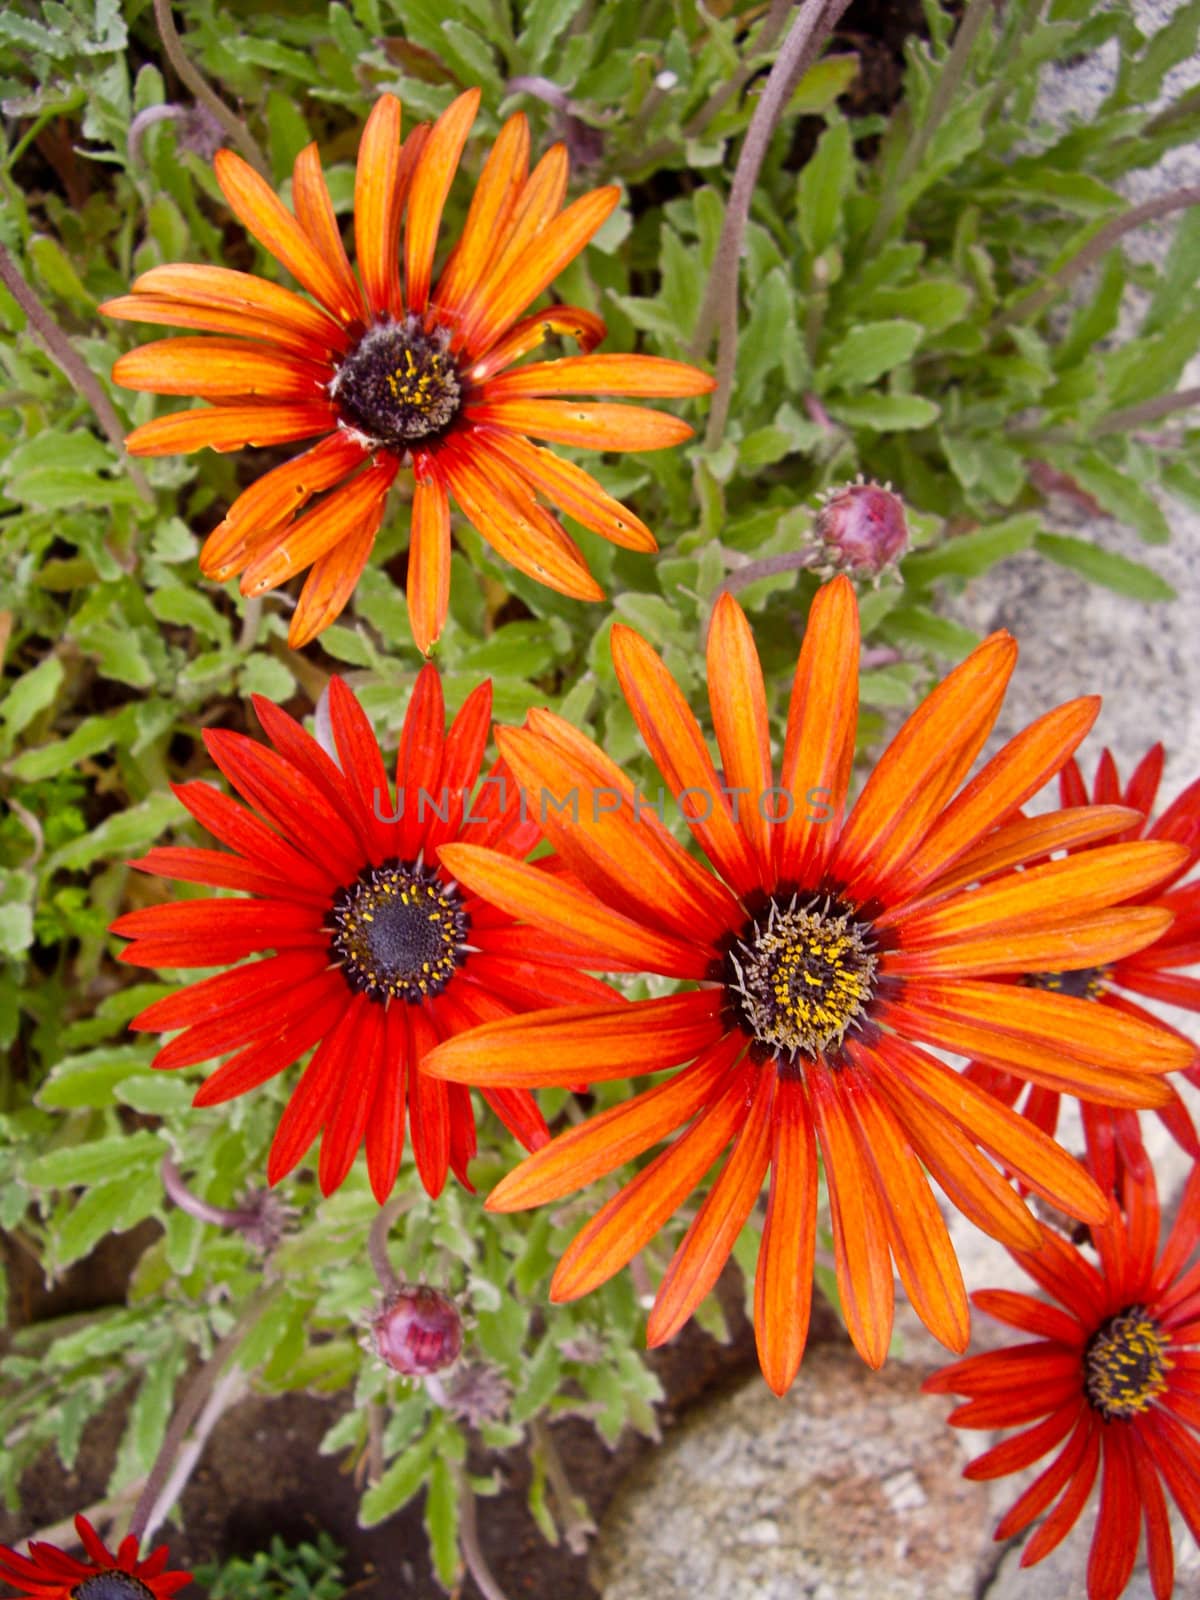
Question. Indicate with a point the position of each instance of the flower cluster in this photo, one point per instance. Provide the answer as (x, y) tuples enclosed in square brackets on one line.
[(828, 950)]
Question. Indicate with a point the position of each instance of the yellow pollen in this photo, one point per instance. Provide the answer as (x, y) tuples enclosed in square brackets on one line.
[(1126, 1364)]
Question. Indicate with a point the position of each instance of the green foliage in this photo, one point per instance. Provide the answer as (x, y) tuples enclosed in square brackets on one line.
[(301, 1572), (892, 321)]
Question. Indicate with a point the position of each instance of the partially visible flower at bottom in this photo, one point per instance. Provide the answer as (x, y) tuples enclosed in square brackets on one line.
[(1111, 1382), (48, 1573), (1113, 1133)]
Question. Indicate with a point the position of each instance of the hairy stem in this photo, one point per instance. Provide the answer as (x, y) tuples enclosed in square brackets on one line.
[(1096, 247), (940, 101), (193, 81), (577, 1529), (468, 1541), (812, 27), (191, 1203), (195, 1399), (377, 1241), (227, 1390), (1161, 405), (73, 367), (766, 567)]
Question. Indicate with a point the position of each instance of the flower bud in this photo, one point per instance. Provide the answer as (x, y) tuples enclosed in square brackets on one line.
[(862, 525), (418, 1331)]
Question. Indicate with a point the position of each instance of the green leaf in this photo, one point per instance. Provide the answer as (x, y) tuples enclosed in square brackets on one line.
[(822, 84), (1116, 492), (120, 834), (970, 554), (867, 352), (441, 1522), (401, 1480), (90, 1079), (885, 413), (32, 692), (94, 1162), (158, 1094), (824, 184), (1105, 567)]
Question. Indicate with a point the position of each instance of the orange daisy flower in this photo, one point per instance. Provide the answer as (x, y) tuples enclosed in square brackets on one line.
[(378, 953), (1113, 1133), (822, 946), (389, 373), (48, 1573), (1110, 1381)]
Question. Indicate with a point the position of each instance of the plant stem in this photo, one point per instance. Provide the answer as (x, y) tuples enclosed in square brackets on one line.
[(151, 1500), (192, 80), (191, 1203), (377, 1242), (227, 1390), (468, 1541), (1096, 247), (767, 567), (940, 101), (1148, 411), (812, 27), (73, 367), (576, 1529)]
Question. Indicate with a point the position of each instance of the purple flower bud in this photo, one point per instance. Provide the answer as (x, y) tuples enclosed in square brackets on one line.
[(418, 1331), (862, 525)]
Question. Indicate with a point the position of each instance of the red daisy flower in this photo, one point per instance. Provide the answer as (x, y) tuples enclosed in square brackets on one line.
[(48, 1573), (1113, 1133), (378, 953), (1113, 1377), (824, 946), (387, 373)]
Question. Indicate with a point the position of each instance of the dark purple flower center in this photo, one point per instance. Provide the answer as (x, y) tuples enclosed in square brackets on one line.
[(801, 975), (111, 1586), (1126, 1364), (398, 932), (399, 385)]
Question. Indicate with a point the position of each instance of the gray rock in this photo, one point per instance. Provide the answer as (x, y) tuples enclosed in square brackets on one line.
[(850, 1487)]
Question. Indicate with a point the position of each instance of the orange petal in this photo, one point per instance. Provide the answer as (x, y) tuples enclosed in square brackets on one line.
[(219, 369), (614, 845), (783, 1281), (430, 185), (428, 555), (739, 706), (561, 908), (338, 515), (218, 319), (864, 1267), (242, 292), (1023, 767), (595, 425), (678, 750), (1028, 839), (571, 322), (920, 1244), (583, 1044), (491, 209), (1040, 896), (275, 498), (922, 767), (331, 582), (567, 486), (631, 1218), (645, 376), (1089, 940), (603, 1143), (377, 208), (259, 209), (527, 213), (516, 287), (514, 529), (818, 751), (705, 1248), (315, 214), (230, 428)]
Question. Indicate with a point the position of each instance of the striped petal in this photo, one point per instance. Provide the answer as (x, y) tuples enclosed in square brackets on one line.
[(594, 425), (430, 185), (315, 214), (377, 201), (1029, 839), (223, 319), (574, 491), (568, 322), (225, 428), (428, 554), (738, 699), (648, 377), (332, 579), (339, 514), (219, 369), (246, 294), (492, 204), (1088, 940), (783, 1281)]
